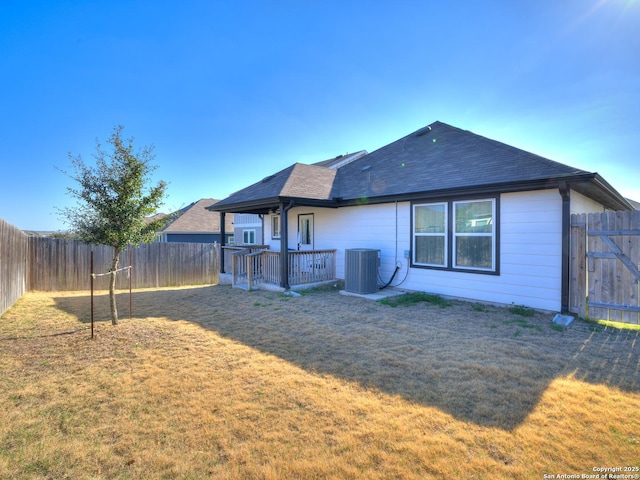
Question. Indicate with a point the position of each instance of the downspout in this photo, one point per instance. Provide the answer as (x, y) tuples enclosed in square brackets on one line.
[(284, 244), (566, 242), (223, 240)]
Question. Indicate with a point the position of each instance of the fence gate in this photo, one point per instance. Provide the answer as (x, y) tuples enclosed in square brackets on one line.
[(605, 266)]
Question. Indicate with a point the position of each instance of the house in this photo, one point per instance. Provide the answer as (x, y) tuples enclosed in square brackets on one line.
[(634, 204), (451, 213), (248, 227), (195, 224)]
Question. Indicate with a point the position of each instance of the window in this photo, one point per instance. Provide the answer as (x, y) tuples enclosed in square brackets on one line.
[(455, 235), (249, 237), (430, 234), (275, 226), (473, 236)]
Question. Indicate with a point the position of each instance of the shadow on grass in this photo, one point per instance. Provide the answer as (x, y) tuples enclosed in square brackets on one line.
[(483, 365)]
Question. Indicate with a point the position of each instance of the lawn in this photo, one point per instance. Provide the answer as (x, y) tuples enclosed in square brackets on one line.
[(215, 382)]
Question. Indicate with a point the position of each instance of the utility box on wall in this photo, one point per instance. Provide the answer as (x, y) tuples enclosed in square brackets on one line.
[(361, 270)]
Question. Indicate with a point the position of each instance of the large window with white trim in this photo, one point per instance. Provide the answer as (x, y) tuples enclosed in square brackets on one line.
[(430, 234), (249, 237), (455, 235)]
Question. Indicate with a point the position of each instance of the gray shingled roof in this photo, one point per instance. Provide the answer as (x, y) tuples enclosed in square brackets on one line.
[(195, 218), (634, 204), (442, 157), (431, 161), (297, 181)]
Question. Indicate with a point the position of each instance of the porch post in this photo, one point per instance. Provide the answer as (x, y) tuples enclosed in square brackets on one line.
[(223, 240), (284, 245)]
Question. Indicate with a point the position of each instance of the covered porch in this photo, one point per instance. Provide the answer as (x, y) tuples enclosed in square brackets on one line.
[(273, 197), (256, 266)]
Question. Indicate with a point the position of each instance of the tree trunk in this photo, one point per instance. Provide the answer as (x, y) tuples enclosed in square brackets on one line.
[(112, 288)]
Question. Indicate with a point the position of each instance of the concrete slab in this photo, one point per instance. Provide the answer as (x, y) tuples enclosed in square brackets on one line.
[(379, 295), (562, 320)]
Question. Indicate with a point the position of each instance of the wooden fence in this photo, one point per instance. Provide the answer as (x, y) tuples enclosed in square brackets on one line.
[(13, 264), (50, 264), (58, 264), (605, 266)]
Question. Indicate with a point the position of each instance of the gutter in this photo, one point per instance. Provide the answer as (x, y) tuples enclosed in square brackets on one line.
[(565, 193)]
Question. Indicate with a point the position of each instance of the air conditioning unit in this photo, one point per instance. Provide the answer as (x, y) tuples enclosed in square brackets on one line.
[(361, 270)]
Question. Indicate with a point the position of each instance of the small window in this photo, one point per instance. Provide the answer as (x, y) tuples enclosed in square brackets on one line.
[(249, 237), (275, 226)]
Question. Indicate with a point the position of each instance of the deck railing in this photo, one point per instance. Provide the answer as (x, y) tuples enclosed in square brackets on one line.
[(235, 260), (313, 266)]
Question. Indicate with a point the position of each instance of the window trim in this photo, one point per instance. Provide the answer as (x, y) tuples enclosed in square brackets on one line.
[(444, 234), (450, 233), (455, 235), (253, 232)]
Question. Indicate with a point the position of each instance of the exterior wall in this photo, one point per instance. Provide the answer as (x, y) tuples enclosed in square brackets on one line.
[(247, 221), (530, 249), (581, 204), (530, 257), (355, 227)]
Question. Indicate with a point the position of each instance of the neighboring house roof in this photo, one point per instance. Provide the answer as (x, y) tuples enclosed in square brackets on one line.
[(634, 204), (157, 216), (195, 218), (436, 160)]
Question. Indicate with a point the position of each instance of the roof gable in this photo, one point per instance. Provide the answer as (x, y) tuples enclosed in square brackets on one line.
[(296, 181), (441, 157), (436, 160), (309, 181)]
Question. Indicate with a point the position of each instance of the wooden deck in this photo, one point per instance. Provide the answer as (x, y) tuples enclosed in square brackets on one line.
[(255, 265)]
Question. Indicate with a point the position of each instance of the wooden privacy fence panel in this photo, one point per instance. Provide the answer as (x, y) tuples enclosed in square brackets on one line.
[(605, 266), (59, 264), (13, 265)]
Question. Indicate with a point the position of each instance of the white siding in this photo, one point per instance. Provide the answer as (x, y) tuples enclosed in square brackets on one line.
[(530, 257), (247, 220), (530, 248), (582, 204)]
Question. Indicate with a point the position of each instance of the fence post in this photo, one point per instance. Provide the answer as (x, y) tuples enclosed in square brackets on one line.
[(130, 275), (578, 278), (91, 282)]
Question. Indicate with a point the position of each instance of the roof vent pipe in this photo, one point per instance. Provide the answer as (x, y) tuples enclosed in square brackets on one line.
[(423, 131)]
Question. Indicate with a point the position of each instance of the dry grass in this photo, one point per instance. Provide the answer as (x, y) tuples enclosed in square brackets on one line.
[(220, 383)]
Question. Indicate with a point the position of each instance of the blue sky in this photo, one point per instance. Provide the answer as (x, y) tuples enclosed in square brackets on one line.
[(229, 92)]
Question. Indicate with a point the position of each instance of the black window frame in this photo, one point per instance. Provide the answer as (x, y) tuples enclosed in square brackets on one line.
[(450, 232)]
